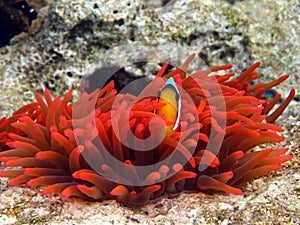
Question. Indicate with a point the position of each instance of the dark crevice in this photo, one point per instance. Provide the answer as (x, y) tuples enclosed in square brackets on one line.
[(15, 18)]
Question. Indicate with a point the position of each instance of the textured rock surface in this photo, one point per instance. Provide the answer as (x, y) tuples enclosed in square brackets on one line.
[(70, 38)]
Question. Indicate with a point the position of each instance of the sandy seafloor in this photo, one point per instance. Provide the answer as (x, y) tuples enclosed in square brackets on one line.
[(272, 199)]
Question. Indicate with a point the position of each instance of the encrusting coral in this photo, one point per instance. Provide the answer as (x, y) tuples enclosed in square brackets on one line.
[(67, 147)]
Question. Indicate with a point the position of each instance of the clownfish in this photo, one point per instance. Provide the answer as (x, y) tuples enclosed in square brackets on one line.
[(170, 95)]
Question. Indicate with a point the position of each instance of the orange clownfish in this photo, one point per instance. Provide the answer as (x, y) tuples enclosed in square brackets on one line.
[(170, 95)]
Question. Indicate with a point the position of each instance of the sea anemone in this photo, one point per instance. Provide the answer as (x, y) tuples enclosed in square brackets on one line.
[(93, 148)]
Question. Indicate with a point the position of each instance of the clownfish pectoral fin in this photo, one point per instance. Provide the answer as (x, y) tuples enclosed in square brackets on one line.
[(170, 95)]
